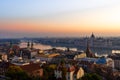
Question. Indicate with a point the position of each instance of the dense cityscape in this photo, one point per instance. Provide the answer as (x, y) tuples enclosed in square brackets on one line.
[(59, 39), (23, 62)]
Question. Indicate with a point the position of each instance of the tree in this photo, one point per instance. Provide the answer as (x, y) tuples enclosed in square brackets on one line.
[(96, 77), (64, 72), (52, 66), (64, 69), (16, 73), (91, 76)]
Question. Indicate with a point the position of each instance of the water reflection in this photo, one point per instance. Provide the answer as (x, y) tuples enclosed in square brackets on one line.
[(37, 46), (43, 47), (98, 52)]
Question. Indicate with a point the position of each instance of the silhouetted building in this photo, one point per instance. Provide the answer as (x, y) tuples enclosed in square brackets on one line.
[(92, 36), (88, 51), (28, 44)]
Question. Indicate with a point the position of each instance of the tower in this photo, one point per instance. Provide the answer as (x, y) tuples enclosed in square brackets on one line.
[(32, 44), (88, 51), (92, 38), (28, 44), (68, 49)]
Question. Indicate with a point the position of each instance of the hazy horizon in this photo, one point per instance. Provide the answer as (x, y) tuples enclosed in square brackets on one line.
[(63, 18)]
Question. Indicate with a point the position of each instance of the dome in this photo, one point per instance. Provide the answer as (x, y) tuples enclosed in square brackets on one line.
[(102, 61)]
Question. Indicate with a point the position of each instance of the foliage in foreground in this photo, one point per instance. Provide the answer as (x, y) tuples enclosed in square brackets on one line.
[(92, 76), (16, 73)]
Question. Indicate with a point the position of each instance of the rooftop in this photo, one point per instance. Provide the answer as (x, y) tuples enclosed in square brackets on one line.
[(31, 67)]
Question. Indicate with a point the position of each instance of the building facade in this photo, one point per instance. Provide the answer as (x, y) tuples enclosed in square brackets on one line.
[(72, 72)]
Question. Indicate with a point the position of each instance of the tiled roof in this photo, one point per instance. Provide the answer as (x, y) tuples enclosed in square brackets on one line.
[(31, 67), (71, 68)]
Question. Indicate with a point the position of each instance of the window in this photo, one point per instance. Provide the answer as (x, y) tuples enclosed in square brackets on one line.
[(74, 76), (68, 77)]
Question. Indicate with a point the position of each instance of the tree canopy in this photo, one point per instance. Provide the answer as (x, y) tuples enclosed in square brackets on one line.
[(92, 76), (16, 73)]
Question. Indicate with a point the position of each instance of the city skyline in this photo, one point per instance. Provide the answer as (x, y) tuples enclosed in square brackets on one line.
[(63, 18)]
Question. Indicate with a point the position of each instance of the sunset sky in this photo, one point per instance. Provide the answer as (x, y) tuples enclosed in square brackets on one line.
[(59, 18)]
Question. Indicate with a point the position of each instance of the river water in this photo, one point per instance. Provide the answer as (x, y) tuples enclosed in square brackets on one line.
[(44, 47)]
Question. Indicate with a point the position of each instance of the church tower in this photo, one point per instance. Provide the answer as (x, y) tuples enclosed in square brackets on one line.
[(28, 44), (32, 44), (88, 51)]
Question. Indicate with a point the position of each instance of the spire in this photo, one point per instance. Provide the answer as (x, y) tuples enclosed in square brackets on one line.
[(68, 49), (92, 36), (32, 44), (88, 51), (28, 44), (88, 46)]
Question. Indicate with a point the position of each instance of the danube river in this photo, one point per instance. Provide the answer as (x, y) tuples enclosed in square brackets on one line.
[(43, 47)]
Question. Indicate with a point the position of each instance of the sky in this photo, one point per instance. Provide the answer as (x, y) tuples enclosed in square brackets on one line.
[(59, 18)]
